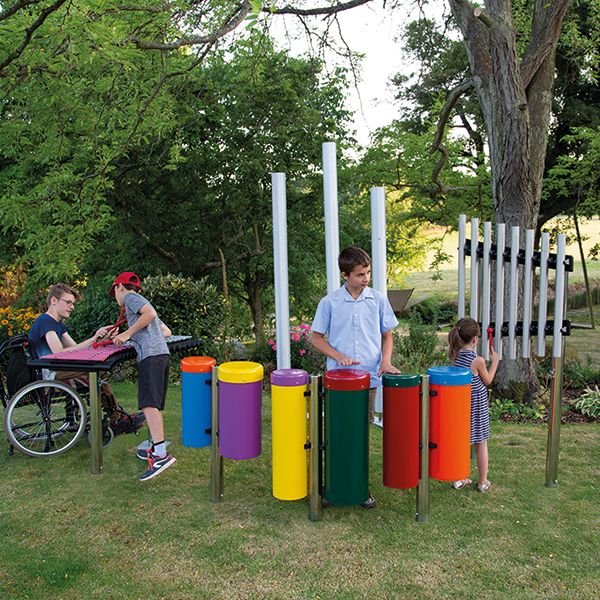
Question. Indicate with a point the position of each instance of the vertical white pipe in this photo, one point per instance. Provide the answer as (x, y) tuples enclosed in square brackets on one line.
[(543, 303), (499, 312), (486, 289), (332, 235), (559, 297), (282, 308), (378, 239), (462, 288), (378, 250), (474, 275), (527, 292), (513, 298)]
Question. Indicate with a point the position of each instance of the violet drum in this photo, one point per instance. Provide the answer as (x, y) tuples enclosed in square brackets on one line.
[(240, 404)]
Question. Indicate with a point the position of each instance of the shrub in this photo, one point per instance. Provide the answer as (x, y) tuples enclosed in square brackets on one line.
[(588, 403), (432, 311), (15, 320), (501, 407), (95, 309), (303, 355), (419, 349), (578, 376), (190, 307)]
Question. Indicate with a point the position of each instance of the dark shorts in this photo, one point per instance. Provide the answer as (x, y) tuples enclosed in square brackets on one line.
[(153, 379)]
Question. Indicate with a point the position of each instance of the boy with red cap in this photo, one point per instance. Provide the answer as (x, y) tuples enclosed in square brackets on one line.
[(146, 333)]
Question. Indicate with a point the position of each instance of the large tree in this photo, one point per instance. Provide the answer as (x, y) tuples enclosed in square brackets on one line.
[(84, 83)]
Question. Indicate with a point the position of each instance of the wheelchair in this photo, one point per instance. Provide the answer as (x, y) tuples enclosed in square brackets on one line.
[(42, 417)]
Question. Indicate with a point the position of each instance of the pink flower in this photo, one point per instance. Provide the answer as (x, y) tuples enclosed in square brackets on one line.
[(295, 337), (305, 326), (302, 352), (274, 346), (271, 342)]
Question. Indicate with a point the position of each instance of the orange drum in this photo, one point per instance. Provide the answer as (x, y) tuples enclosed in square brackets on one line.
[(449, 423)]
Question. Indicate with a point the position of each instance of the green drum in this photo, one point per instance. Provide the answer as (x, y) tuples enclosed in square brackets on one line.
[(346, 436)]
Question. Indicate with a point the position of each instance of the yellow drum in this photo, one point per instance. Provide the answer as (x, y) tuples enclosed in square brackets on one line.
[(288, 422)]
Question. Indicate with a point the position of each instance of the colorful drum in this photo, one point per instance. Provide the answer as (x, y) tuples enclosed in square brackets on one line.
[(346, 436), (449, 423), (401, 430), (288, 427), (240, 409), (196, 410)]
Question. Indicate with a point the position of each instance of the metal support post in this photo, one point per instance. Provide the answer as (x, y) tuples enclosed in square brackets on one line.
[(558, 354), (554, 421), (314, 452), (423, 487), (96, 423), (216, 460)]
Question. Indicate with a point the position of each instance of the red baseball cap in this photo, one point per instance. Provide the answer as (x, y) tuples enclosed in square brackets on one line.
[(127, 278)]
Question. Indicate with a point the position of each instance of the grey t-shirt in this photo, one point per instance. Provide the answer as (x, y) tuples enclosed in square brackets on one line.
[(150, 340)]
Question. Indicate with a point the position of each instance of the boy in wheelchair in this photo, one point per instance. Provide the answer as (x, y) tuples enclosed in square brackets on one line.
[(49, 335)]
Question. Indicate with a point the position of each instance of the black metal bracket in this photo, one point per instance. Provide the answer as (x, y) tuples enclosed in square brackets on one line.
[(536, 259), (533, 328)]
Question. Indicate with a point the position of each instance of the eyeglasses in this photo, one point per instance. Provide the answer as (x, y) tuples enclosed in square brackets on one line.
[(68, 302)]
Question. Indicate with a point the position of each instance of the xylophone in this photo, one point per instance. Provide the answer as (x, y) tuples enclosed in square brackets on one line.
[(93, 361), (103, 358)]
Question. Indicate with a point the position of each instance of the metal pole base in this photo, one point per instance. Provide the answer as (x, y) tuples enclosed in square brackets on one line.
[(315, 512), (423, 487), (554, 422), (216, 460)]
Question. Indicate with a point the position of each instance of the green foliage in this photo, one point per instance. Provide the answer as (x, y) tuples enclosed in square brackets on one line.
[(504, 407), (578, 376), (95, 309), (74, 104), (434, 311), (188, 307), (588, 403), (418, 349)]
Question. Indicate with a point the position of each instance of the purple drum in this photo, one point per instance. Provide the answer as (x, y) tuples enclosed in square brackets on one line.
[(240, 409)]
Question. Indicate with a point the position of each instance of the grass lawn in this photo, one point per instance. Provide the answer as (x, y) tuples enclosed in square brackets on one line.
[(65, 533)]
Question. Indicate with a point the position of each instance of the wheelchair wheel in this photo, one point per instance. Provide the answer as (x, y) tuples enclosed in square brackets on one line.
[(108, 435), (44, 418)]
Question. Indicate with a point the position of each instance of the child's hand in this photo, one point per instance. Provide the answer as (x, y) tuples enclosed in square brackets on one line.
[(388, 368), (102, 332), (494, 358), (346, 361), (122, 338)]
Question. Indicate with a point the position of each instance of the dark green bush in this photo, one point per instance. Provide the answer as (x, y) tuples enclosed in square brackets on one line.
[(501, 407), (189, 307), (433, 311), (95, 309)]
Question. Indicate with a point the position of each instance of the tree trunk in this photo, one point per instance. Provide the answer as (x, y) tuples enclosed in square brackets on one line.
[(515, 99)]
